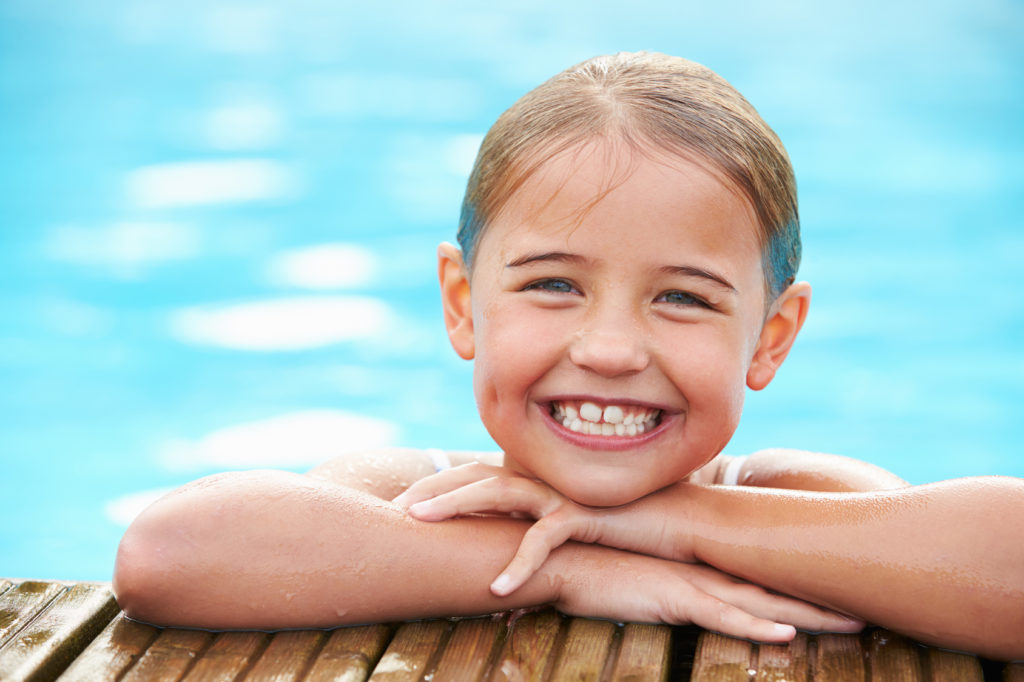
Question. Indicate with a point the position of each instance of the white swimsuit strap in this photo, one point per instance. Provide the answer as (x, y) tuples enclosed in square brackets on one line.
[(439, 458), (731, 475)]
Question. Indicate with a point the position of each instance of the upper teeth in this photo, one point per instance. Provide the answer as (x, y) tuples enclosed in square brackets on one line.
[(612, 420)]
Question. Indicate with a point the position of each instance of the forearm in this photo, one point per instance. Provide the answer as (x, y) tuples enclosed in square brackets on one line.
[(942, 562), (275, 550)]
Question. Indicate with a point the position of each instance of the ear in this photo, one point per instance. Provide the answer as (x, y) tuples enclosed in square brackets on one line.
[(785, 319), (455, 299)]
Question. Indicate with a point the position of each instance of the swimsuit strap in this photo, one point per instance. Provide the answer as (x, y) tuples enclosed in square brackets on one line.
[(731, 475), (439, 458)]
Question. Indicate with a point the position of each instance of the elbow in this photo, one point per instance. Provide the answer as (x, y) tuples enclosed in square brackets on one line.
[(140, 582)]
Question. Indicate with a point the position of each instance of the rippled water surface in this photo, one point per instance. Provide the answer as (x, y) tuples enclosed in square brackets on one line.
[(220, 219)]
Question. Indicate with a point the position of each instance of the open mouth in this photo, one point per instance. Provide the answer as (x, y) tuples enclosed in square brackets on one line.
[(587, 417)]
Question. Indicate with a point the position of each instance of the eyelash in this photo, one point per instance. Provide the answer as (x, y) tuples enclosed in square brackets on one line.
[(546, 285), (566, 287), (692, 299)]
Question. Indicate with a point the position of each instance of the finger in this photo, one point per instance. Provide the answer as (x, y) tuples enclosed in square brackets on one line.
[(777, 607), (445, 481), (709, 612), (542, 537), (495, 494)]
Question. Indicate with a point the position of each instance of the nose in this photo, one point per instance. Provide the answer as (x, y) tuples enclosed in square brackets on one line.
[(610, 351)]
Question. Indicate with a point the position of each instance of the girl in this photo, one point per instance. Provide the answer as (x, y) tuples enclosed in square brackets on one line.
[(629, 244)]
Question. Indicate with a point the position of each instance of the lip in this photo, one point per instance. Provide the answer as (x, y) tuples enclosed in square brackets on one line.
[(609, 443)]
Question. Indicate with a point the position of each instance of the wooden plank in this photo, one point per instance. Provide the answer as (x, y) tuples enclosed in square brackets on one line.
[(170, 655), (411, 651), (783, 662), (892, 657), (288, 655), (1013, 672), (43, 648), (644, 654), (469, 649), (114, 651), (585, 650), (228, 655), (21, 603), (5, 585), (528, 650), (722, 659), (950, 666), (350, 654), (839, 658)]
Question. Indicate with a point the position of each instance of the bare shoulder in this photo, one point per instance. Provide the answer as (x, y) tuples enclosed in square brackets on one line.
[(817, 471), (386, 472)]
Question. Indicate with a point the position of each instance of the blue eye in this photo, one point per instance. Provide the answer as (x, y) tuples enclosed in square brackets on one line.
[(558, 286), (683, 298)]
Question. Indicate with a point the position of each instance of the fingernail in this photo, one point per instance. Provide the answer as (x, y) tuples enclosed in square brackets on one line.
[(784, 631), (420, 506), (501, 585)]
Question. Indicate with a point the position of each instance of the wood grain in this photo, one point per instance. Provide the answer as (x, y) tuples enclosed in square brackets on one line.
[(47, 644), (117, 648), (411, 652), (722, 659)]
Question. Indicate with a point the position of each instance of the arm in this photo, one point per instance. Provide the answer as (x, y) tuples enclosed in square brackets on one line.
[(942, 562), (272, 549), (275, 550)]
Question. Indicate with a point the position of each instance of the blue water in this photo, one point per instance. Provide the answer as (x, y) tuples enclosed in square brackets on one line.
[(219, 223)]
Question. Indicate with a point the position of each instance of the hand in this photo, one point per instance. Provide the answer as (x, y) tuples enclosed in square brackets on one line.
[(475, 488), (607, 583)]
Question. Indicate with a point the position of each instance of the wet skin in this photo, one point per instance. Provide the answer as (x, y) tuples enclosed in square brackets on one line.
[(652, 298)]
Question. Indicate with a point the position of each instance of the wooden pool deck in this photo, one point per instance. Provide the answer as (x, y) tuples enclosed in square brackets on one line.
[(75, 631)]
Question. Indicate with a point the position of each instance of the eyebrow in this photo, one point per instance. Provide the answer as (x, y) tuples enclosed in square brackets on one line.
[(551, 256), (690, 271), (563, 257)]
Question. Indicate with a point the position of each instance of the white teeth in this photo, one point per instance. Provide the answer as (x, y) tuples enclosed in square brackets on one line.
[(613, 420), (591, 412), (613, 414)]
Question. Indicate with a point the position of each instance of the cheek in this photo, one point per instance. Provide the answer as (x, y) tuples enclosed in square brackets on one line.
[(511, 355)]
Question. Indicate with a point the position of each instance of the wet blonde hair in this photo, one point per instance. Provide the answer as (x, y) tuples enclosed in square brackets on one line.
[(653, 102)]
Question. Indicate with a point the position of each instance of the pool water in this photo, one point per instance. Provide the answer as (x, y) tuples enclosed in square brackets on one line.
[(220, 221)]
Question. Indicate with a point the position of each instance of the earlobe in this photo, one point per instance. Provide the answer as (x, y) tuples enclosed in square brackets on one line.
[(787, 316), (455, 300)]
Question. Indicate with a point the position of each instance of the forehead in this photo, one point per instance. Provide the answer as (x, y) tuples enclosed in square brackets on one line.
[(629, 201)]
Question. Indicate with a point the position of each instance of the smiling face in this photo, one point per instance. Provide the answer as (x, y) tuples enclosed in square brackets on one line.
[(615, 311)]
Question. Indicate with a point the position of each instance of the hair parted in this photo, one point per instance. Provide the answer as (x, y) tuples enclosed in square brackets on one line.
[(653, 102)]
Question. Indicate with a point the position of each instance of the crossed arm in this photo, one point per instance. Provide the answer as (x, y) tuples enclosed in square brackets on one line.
[(274, 550), (942, 562)]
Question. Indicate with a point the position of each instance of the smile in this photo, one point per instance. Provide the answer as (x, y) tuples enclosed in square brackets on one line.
[(589, 418)]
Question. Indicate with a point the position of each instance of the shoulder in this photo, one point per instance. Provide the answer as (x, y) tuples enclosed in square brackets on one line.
[(386, 472), (814, 471)]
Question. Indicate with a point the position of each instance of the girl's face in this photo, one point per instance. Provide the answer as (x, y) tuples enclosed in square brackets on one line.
[(615, 311)]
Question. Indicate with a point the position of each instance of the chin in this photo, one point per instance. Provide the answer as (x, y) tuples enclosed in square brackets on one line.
[(604, 496)]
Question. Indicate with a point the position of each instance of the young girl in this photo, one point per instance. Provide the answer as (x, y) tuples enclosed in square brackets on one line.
[(629, 244)]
